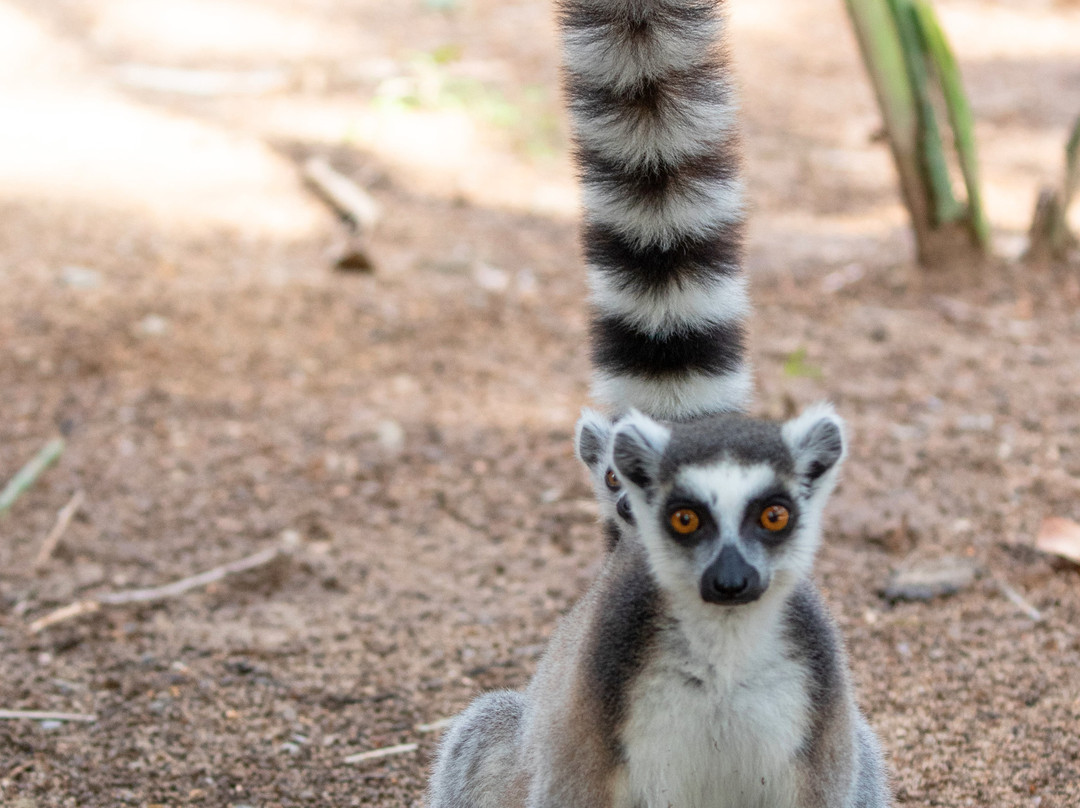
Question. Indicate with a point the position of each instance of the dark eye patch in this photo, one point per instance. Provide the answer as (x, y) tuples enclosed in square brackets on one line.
[(705, 526), (611, 480), (752, 526)]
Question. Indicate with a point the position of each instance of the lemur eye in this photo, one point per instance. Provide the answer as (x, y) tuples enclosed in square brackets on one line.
[(775, 517), (684, 521), (611, 481)]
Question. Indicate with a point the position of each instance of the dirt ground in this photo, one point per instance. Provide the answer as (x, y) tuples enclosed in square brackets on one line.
[(168, 304)]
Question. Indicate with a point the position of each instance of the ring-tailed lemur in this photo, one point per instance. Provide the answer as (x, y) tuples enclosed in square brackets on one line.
[(592, 442), (701, 669)]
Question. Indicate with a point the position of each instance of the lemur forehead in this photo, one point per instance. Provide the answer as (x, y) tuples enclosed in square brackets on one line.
[(726, 487), (728, 439)]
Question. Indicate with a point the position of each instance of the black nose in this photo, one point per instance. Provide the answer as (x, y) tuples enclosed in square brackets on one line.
[(622, 507), (730, 580)]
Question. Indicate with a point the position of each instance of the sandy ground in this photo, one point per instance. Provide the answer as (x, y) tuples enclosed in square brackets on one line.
[(168, 303)]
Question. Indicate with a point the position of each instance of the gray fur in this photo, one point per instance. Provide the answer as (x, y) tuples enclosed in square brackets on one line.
[(648, 695), (592, 436), (478, 752)]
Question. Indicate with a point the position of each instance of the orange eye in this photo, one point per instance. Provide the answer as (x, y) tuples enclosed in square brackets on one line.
[(775, 517), (611, 481), (684, 521)]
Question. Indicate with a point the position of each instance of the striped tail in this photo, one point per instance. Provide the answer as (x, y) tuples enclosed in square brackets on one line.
[(655, 128)]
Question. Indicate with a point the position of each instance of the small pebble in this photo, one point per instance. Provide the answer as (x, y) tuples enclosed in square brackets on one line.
[(931, 579), (80, 277), (491, 279), (290, 539), (527, 285), (153, 325), (975, 423), (390, 436)]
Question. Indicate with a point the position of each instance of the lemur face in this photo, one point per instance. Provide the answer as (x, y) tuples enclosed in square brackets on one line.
[(734, 521), (615, 491), (729, 505), (593, 445)]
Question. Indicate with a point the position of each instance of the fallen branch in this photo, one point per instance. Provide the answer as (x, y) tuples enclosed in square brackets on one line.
[(63, 519), (184, 584), (155, 593), (28, 474), (42, 715), (374, 754), (352, 202)]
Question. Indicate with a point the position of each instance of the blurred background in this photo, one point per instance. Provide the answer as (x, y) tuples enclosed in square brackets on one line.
[(363, 431)]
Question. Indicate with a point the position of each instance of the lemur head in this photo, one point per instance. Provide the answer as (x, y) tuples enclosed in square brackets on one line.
[(729, 505), (592, 441)]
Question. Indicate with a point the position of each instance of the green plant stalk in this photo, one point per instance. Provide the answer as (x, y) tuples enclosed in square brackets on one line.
[(909, 69), (883, 54), (962, 122), (28, 474), (1072, 166), (1059, 236), (884, 58), (935, 165)]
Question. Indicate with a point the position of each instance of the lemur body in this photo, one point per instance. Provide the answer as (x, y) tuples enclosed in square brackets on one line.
[(700, 670)]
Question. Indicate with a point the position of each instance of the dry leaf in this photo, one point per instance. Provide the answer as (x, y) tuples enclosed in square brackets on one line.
[(1060, 537)]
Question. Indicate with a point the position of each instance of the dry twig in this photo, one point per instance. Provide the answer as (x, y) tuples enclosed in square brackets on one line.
[(401, 749), (15, 772), (1019, 601), (155, 593), (44, 715), (69, 612), (63, 519), (435, 726)]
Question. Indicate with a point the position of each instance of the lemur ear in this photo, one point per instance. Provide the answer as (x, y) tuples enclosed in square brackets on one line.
[(592, 438), (816, 442), (637, 448)]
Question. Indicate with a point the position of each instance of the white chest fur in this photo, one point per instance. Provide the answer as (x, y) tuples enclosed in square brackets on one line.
[(719, 729)]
